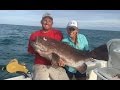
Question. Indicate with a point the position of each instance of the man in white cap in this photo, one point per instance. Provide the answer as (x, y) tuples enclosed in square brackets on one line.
[(43, 69), (79, 42)]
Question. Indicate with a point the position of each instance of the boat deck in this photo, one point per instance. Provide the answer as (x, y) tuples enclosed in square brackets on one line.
[(91, 66)]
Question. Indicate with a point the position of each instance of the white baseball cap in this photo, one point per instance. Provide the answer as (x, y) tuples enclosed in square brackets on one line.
[(47, 15), (72, 23)]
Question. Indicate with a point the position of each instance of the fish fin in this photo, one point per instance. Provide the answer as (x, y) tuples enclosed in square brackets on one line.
[(100, 53), (82, 68), (55, 57), (54, 60)]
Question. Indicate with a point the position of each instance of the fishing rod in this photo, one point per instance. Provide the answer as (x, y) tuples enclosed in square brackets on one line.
[(2, 67)]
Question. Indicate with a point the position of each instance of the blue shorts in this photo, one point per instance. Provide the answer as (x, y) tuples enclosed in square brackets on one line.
[(77, 74)]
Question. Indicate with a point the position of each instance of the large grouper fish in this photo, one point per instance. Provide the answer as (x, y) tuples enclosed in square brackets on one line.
[(54, 50)]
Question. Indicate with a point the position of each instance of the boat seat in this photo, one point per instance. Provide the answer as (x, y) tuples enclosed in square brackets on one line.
[(112, 71), (92, 65)]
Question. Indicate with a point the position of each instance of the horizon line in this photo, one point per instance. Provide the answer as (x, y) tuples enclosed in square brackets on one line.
[(62, 27)]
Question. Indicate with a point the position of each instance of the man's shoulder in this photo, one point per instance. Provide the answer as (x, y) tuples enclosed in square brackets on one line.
[(56, 30), (81, 35), (36, 32)]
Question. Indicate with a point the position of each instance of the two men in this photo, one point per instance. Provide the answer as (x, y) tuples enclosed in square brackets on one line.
[(43, 69)]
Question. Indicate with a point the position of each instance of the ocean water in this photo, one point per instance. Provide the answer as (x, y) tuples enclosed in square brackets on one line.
[(14, 43)]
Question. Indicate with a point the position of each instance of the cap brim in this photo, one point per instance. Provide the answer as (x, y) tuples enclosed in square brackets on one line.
[(76, 28), (48, 17)]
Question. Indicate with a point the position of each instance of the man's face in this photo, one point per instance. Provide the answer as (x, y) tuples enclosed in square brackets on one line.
[(47, 23), (72, 32)]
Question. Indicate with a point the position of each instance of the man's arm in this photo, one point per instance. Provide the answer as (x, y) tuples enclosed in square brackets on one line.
[(30, 48)]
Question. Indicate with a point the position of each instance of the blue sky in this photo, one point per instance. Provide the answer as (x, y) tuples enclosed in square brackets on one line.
[(87, 19)]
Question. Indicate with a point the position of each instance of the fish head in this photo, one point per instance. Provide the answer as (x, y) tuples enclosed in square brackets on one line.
[(40, 44)]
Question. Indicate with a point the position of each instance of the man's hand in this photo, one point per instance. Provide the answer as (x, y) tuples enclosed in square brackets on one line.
[(54, 64), (61, 63)]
